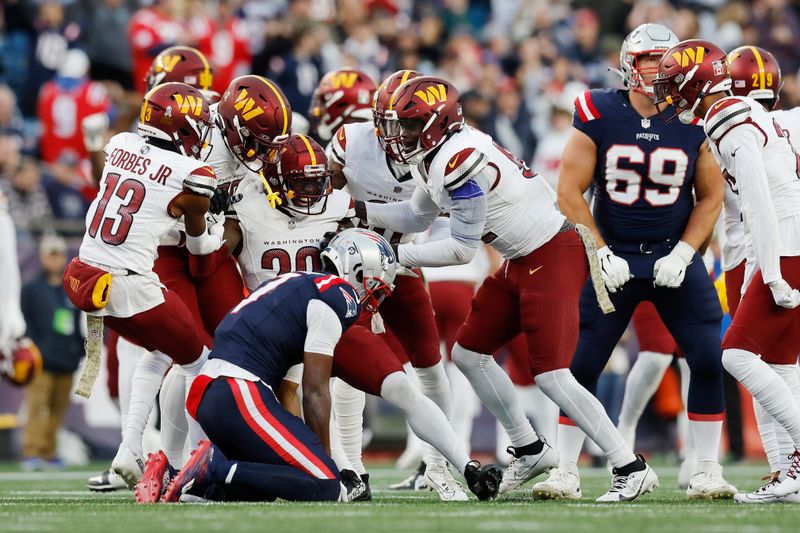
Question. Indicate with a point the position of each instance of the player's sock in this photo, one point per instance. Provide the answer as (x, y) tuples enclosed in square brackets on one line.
[(174, 425), (687, 443), (643, 380), (348, 407), (790, 375), (413, 451), (541, 410), (767, 387), (267, 482), (785, 449), (587, 412), (570, 443), (145, 384), (496, 391), (426, 419), (463, 412), (337, 451), (706, 436), (434, 384), (190, 371), (769, 437), (128, 356)]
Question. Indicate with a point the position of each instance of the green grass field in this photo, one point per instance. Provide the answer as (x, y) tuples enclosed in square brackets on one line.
[(59, 502)]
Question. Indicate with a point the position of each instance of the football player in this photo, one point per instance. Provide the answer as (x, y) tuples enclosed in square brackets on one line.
[(760, 347), (492, 196), (12, 323), (756, 74), (150, 180), (369, 175), (658, 193), (343, 96)]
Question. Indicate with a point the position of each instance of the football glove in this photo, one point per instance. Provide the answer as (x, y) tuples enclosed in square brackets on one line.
[(220, 201), (615, 270), (670, 270), (94, 129), (784, 295)]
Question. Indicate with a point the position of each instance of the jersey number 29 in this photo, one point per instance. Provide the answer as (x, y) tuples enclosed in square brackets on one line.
[(624, 185)]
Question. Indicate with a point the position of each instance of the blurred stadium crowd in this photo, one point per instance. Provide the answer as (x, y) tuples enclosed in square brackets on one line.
[(518, 63)]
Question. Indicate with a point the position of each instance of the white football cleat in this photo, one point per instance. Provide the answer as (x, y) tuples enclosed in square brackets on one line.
[(108, 481), (560, 485), (128, 466), (526, 467), (763, 494), (708, 484), (439, 478), (685, 473), (628, 488), (791, 483)]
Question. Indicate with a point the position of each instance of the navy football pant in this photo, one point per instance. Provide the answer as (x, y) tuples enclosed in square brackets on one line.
[(270, 452), (691, 313)]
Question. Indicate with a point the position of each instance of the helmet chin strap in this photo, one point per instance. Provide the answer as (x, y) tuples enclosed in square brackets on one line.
[(687, 116), (273, 197)]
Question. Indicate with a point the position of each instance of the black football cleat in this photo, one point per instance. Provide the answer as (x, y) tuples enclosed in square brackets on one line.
[(483, 481)]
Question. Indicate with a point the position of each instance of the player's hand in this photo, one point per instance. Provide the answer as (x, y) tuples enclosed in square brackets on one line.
[(94, 131), (670, 270), (219, 202), (616, 271), (784, 295), (327, 237)]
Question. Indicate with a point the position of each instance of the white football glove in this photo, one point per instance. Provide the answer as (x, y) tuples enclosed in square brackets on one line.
[(784, 295), (670, 269), (616, 271), (94, 131), (207, 242)]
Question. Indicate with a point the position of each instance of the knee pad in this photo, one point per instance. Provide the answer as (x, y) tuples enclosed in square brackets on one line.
[(397, 389)]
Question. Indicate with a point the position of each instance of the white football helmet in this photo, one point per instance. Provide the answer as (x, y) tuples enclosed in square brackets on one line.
[(647, 39), (366, 261)]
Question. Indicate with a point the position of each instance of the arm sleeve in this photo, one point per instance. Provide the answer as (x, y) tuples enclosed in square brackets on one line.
[(324, 328), (742, 148), (411, 216), (467, 221), (294, 374), (12, 324)]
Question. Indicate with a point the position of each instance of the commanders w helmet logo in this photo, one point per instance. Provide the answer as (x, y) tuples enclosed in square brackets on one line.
[(344, 80), (432, 94), (167, 63), (689, 56), (189, 104), (245, 105)]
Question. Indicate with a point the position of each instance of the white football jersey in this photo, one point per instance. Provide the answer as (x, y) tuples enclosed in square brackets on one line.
[(371, 175), (275, 242), (764, 174), (132, 210), (521, 211)]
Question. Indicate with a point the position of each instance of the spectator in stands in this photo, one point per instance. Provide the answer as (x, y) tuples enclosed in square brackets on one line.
[(54, 326), (111, 55), (151, 30), (512, 123), (298, 72), (230, 48), (27, 201), (10, 117)]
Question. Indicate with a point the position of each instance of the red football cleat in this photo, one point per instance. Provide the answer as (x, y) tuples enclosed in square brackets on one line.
[(153, 480), (194, 473)]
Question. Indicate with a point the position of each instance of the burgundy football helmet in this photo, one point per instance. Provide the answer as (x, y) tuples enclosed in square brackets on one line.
[(421, 114), (23, 364), (687, 73), (183, 64), (301, 177), (177, 113), (256, 120), (342, 97), (380, 103), (755, 73)]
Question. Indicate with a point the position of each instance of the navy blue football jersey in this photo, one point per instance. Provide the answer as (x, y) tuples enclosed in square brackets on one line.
[(266, 333), (645, 168)]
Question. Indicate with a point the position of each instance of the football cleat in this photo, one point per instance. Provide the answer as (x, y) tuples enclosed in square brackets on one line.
[(685, 474), (128, 465), (156, 478), (194, 476), (523, 468), (108, 481), (483, 481), (356, 489), (367, 496), (791, 483), (560, 485), (439, 478), (763, 494), (708, 484), (415, 481), (626, 488)]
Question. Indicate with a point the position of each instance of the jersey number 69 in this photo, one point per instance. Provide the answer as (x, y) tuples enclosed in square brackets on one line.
[(666, 168)]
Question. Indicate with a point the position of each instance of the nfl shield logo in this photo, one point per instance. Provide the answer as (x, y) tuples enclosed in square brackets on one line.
[(398, 189), (645, 123), (292, 223)]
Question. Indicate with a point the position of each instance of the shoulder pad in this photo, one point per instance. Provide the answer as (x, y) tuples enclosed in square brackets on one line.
[(338, 146), (462, 166), (202, 181), (585, 107), (724, 115)]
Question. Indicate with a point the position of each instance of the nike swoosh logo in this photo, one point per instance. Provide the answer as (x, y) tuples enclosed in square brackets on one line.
[(733, 154), (533, 271), (452, 164), (720, 104)]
